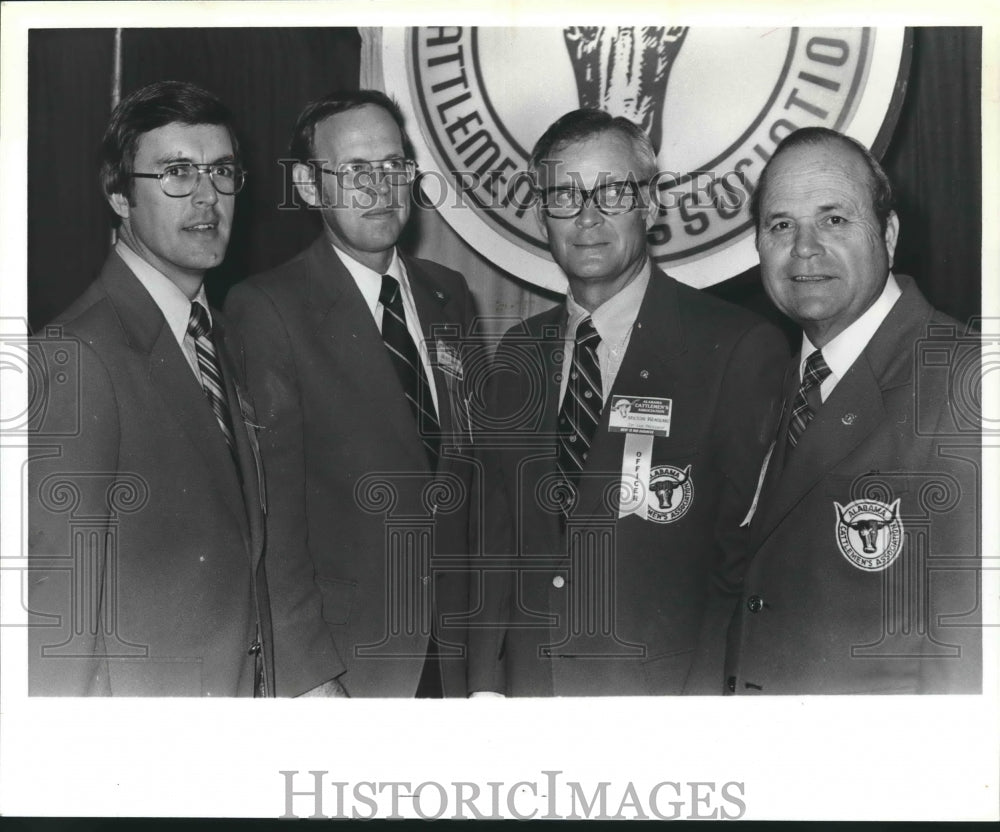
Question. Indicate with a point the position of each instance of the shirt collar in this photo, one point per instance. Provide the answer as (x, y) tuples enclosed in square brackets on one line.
[(613, 319), (843, 350), (368, 280), (172, 302)]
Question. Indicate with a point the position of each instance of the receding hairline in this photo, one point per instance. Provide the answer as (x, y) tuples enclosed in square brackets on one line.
[(555, 153), (368, 105), (302, 144), (874, 179)]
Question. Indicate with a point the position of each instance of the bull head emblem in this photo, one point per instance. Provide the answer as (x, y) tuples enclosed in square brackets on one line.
[(869, 527), (623, 407), (664, 486), (625, 70)]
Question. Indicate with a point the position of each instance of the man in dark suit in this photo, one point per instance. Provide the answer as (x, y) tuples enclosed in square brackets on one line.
[(864, 571), (146, 504), (355, 363), (630, 423)]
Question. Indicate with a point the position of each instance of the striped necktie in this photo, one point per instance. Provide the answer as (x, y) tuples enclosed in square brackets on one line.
[(807, 399), (200, 329), (410, 369), (582, 404)]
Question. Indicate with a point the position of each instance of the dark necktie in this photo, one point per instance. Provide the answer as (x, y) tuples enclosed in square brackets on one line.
[(582, 404), (410, 369), (200, 329), (808, 398)]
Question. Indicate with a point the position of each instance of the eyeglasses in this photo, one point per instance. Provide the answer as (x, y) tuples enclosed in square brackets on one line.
[(183, 178), (355, 175), (610, 199)]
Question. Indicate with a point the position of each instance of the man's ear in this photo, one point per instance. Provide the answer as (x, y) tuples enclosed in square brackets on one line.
[(891, 235), (540, 218), (119, 204), (305, 183), (652, 207)]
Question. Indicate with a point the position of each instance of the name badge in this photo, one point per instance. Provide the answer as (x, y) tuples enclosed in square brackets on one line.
[(642, 419), (640, 414), (448, 359)]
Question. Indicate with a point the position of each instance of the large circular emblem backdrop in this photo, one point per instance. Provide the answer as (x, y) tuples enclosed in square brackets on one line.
[(715, 103)]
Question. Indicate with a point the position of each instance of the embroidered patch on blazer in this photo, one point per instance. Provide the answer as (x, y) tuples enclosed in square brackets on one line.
[(869, 533), (670, 494)]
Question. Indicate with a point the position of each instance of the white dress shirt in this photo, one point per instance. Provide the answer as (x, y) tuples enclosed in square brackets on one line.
[(369, 282), (173, 303), (844, 349), (613, 321)]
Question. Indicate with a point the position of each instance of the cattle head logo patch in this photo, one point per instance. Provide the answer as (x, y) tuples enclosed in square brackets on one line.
[(869, 533), (622, 407), (670, 494)]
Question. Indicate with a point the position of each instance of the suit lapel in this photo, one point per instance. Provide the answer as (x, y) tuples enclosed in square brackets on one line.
[(245, 435), (171, 376), (551, 340), (851, 413), (776, 460), (441, 325), (345, 323), (650, 368)]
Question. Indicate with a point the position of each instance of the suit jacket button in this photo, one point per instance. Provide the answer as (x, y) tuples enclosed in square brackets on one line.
[(755, 604), (731, 684), (558, 582), (254, 648), (546, 651)]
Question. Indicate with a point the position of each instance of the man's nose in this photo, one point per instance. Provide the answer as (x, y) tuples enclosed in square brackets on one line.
[(806, 242), (589, 215), (381, 180), (204, 190)]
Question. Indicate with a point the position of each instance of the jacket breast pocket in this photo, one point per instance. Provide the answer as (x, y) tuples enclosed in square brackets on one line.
[(338, 599)]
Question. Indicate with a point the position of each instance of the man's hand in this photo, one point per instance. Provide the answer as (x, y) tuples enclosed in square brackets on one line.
[(332, 688)]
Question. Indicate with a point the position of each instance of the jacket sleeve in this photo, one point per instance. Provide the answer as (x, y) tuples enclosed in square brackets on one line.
[(73, 459), (951, 499), (744, 422), (304, 652)]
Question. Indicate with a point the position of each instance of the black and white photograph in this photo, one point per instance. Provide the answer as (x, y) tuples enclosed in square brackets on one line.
[(605, 414)]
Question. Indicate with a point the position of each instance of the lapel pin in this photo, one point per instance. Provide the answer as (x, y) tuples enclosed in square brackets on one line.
[(643, 373), (440, 294), (848, 418)]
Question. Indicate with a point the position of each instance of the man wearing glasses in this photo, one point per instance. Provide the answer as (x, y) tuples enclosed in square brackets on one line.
[(355, 366), (627, 474), (146, 512)]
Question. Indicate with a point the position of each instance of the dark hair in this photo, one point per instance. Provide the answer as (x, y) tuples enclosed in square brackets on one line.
[(302, 149), (878, 182), (146, 109), (580, 125)]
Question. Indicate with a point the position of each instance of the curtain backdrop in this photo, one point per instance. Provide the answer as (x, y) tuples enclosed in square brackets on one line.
[(264, 75), (267, 75)]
